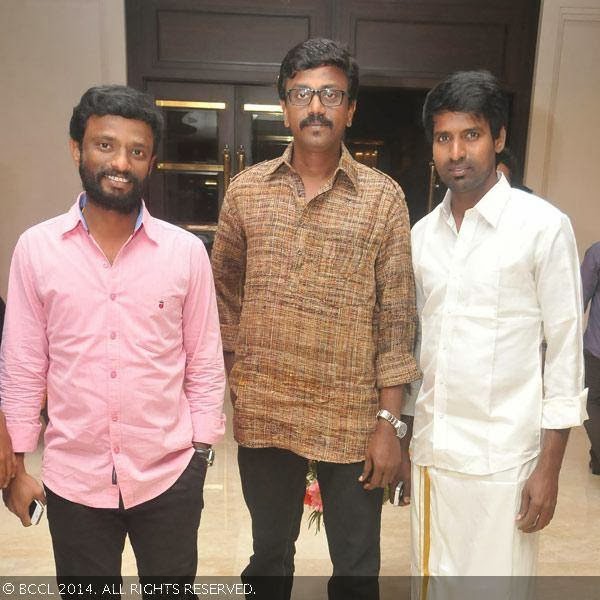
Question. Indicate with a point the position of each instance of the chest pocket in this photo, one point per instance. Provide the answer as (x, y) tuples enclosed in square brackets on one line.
[(338, 270), (162, 315)]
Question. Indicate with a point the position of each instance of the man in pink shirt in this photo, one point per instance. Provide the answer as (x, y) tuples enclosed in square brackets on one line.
[(112, 314)]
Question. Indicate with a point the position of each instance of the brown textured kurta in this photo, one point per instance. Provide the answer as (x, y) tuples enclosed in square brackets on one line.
[(317, 301)]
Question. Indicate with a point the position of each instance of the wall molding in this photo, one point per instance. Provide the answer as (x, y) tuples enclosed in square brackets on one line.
[(567, 15)]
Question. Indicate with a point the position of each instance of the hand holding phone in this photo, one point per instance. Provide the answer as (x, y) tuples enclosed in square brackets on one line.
[(36, 510), (396, 498), (21, 493)]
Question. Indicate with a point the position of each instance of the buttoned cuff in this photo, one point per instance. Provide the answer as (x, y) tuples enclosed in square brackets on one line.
[(396, 369), (564, 412), (229, 334), (24, 437), (208, 429), (411, 392)]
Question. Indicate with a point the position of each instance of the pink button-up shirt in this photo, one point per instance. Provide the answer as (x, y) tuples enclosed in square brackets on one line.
[(129, 355)]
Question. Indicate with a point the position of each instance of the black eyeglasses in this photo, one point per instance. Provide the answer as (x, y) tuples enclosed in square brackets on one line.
[(302, 96)]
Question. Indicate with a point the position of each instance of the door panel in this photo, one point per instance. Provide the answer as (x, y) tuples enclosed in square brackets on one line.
[(188, 184), (259, 123)]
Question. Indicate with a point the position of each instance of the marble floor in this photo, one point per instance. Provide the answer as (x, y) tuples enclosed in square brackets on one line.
[(569, 546)]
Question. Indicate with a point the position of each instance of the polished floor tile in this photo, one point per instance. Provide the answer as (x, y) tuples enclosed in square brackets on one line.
[(569, 546)]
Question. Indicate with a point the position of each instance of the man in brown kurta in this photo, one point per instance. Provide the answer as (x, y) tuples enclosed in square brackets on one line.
[(316, 298)]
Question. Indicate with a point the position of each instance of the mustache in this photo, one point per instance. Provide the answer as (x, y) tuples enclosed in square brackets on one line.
[(315, 118)]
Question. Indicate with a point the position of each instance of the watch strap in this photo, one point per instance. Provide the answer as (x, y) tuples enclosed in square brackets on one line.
[(400, 426)]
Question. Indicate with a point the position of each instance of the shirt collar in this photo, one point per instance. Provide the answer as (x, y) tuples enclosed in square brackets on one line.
[(490, 207), (347, 164), (75, 216)]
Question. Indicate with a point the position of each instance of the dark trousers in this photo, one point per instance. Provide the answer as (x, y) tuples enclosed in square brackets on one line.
[(274, 483), (592, 425), (88, 542)]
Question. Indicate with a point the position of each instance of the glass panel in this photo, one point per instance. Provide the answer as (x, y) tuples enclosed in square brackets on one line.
[(269, 136), (192, 198), (191, 135), (207, 237), (387, 133), (365, 151)]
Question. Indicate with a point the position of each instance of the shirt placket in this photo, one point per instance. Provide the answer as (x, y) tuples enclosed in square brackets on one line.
[(459, 253), (299, 239), (113, 372)]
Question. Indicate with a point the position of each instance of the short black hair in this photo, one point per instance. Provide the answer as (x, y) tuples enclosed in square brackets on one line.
[(474, 92), (119, 100), (319, 52)]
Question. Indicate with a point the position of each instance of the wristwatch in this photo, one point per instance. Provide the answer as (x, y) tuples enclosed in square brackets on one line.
[(400, 426), (208, 454)]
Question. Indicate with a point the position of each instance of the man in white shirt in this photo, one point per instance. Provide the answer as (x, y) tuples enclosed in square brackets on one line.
[(496, 272)]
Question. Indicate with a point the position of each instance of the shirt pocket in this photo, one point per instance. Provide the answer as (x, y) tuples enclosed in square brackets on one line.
[(161, 317), (480, 292), (338, 272), (518, 295)]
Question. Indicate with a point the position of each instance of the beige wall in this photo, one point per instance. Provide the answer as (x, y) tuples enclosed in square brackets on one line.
[(52, 50), (563, 159)]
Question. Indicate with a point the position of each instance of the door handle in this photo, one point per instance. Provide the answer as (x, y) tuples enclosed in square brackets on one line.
[(226, 167), (433, 185), (241, 158)]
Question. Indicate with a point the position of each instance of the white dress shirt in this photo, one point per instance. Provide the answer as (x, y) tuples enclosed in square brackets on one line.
[(487, 296)]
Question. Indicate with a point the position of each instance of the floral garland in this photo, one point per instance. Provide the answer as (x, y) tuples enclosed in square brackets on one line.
[(312, 497)]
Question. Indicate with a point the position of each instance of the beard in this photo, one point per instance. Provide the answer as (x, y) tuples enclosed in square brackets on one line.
[(124, 203)]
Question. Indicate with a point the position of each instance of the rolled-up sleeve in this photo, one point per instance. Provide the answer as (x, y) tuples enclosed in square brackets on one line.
[(559, 293), (24, 353), (396, 312), (205, 373)]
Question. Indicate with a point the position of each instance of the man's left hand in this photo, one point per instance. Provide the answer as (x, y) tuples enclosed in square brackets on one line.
[(405, 478), (383, 460), (538, 499)]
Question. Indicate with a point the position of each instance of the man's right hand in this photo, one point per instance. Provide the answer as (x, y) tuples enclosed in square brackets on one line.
[(21, 493)]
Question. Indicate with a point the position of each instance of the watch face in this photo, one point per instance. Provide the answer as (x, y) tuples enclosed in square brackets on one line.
[(402, 429), (208, 454), (211, 458)]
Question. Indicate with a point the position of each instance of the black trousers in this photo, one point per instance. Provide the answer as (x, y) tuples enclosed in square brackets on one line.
[(88, 542), (273, 484), (592, 425)]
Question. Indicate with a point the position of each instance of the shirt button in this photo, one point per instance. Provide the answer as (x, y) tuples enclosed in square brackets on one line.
[(117, 449), (115, 418), (113, 335), (113, 296), (105, 265), (113, 374)]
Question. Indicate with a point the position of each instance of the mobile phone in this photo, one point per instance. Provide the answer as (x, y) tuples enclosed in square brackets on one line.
[(397, 498), (36, 510)]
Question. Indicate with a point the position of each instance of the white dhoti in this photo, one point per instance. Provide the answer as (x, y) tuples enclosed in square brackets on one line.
[(464, 525)]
